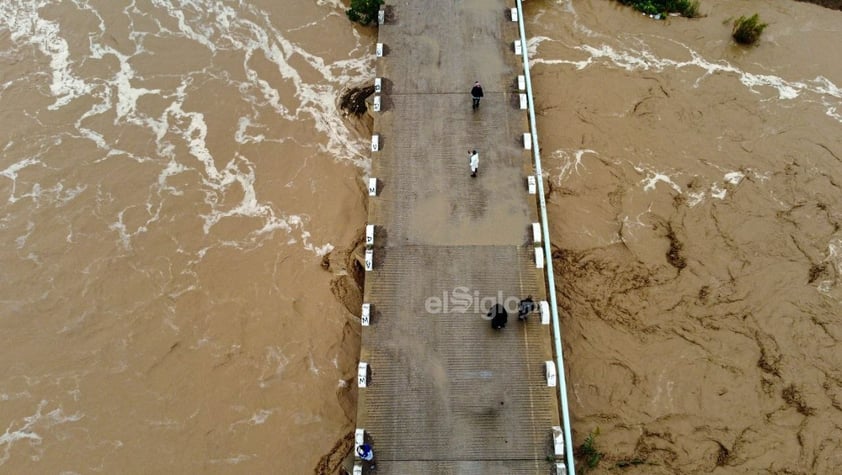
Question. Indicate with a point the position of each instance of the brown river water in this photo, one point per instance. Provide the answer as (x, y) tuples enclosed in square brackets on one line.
[(180, 192)]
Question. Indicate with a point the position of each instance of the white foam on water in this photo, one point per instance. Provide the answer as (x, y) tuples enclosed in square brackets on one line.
[(250, 31), (834, 254), (643, 59), (26, 26), (276, 362), (57, 416), (216, 26), (258, 418), (734, 178), (24, 430), (11, 172), (261, 417), (127, 95), (572, 161), (311, 363), (717, 192), (654, 177), (12, 397), (695, 198), (20, 241), (234, 460)]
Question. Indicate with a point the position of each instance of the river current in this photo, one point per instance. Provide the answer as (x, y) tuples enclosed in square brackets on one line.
[(179, 187)]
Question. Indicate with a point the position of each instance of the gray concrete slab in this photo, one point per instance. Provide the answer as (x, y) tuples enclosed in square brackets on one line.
[(448, 394)]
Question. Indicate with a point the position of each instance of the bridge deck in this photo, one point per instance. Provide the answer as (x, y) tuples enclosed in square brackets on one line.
[(447, 394)]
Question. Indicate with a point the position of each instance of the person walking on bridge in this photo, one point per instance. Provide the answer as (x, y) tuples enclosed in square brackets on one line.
[(476, 94), (525, 307), (473, 158), (498, 316), (366, 453)]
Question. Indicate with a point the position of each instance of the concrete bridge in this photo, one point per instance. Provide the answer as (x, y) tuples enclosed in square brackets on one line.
[(440, 390)]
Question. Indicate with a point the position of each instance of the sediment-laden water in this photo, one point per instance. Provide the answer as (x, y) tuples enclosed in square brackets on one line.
[(178, 189), (696, 207)]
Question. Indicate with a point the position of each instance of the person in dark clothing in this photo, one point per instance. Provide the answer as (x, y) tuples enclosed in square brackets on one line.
[(476, 94), (366, 453), (498, 316), (525, 307)]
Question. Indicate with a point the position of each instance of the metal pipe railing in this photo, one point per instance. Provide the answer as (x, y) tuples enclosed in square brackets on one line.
[(562, 380)]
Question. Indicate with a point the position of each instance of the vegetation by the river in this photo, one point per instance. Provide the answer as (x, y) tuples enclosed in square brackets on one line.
[(588, 451), (364, 11), (747, 30), (687, 8)]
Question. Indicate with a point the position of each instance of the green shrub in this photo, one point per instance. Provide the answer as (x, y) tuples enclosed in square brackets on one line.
[(364, 11), (687, 8), (588, 450), (747, 31), (691, 9)]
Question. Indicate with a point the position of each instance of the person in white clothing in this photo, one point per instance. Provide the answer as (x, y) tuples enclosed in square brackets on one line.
[(474, 158)]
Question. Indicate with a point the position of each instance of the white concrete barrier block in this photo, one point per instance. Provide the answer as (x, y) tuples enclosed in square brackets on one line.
[(514, 14), (518, 49), (558, 442), (539, 257), (533, 185), (545, 312), (521, 82), (362, 375), (358, 469), (365, 317), (379, 50), (381, 17), (560, 468), (359, 439), (550, 373), (378, 85), (372, 187), (369, 234), (527, 141), (375, 142), (536, 232), (376, 103), (369, 259), (523, 103)]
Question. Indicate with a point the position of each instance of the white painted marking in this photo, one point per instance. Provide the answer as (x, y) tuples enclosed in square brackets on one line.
[(359, 439), (365, 318), (550, 372), (545, 312), (369, 234), (558, 442), (362, 375), (369, 259)]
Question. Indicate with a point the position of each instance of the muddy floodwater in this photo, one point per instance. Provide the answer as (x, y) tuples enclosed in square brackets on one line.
[(181, 193)]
